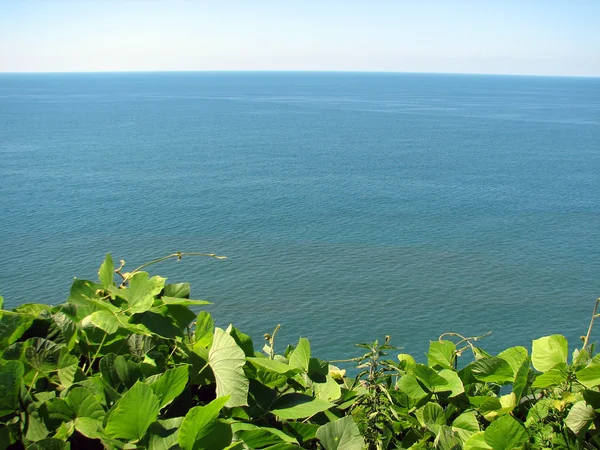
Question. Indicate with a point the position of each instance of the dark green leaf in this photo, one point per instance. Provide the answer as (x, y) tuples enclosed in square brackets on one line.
[(492, 369), (170, 384), (298, 406), (11, 374), (200, 428)]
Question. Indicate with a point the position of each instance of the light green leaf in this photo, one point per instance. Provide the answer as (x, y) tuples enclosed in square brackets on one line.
[(183, 301), (89, 427), (476, 442), (141, 291), (522, 378), (505, 433), (549, 351), (492, 369), (411, 387), (105, 320), (430, 378), (179, 290), (133, 413), (441, 354), (300, 357), (227, 360), (407, 362), (298, 406), (170, 385), (455, 385), (273, 366), (200, 427), (329, 390), (203, 333), (552, 377), (465, 425), (515, 356), (433, 414), (341, 434), (106, 272), (589, 376), (580, 417)]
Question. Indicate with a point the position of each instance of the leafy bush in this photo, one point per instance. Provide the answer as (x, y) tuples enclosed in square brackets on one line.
[(131, 365)]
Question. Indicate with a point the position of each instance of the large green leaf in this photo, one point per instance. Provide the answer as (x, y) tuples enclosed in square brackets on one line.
[(227, 360), (492, 369), (106, 272), (259, 437), (183, 301), (298, 406), (589, 376), (580, 417), (455, 385), (552, 377), (300, 357), (506, 433), (141, 291), (105, 320), (521, 378), (466, 425), (476, 442), (549, 351), (178, 290), (515, 356), (441, 354), (201, 429), (430, 378), (11, 374), (170, 384), (341, 434), (84, 404), (203, 333), (411, 387), (133, 413)]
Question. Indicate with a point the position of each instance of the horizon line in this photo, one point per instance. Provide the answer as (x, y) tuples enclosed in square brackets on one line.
[(388, 72)]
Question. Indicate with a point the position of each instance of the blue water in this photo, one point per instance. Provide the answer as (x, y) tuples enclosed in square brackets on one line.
[(350, 206)]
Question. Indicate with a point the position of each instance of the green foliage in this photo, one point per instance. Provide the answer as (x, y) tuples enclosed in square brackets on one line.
[(133, 364)]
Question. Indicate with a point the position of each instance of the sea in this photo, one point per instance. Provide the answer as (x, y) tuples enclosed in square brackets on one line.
[(350, 206)]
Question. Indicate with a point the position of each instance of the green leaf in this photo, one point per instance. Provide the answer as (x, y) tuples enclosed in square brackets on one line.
[(552, 377), (300, 357), (200, 428), (170, 385), (455, 385), (11, 374), (411, 387), (341, 434), (164, 434), (589, 376), (273, 366), (106, 272), (89, 427), (492, 369), (407, 362), (178, 290), (298, 406), (441, 354), (329, 390), (522, 378), (227, 360), (83, 403), (505, 433), (433, 414), (242, 340), (133, 413), (203, 334), (477, 442), (580, 417), (258, 437), (515, 356), (105, 320), (305, 431), (465, 425), (430, 378), (183, 301), (48, 444), (141, 292), (549, 351)]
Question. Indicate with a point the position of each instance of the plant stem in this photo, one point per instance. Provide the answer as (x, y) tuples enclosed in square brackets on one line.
[(589, 331)]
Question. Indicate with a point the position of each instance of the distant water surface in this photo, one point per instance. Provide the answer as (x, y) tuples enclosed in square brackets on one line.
[(350, 205)]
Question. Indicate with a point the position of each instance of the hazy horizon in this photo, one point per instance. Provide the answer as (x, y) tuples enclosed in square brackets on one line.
[(538, 38)]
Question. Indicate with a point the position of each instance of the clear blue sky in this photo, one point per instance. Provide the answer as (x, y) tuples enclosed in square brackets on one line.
[(543, 37)]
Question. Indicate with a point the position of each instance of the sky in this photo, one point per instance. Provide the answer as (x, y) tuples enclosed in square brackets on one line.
[(529, 37)]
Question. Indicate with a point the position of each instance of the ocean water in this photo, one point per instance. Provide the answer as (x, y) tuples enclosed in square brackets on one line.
[(350, 206)]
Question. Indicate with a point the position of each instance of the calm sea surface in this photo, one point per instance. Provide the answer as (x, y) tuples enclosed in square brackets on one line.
[(350, 206)]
